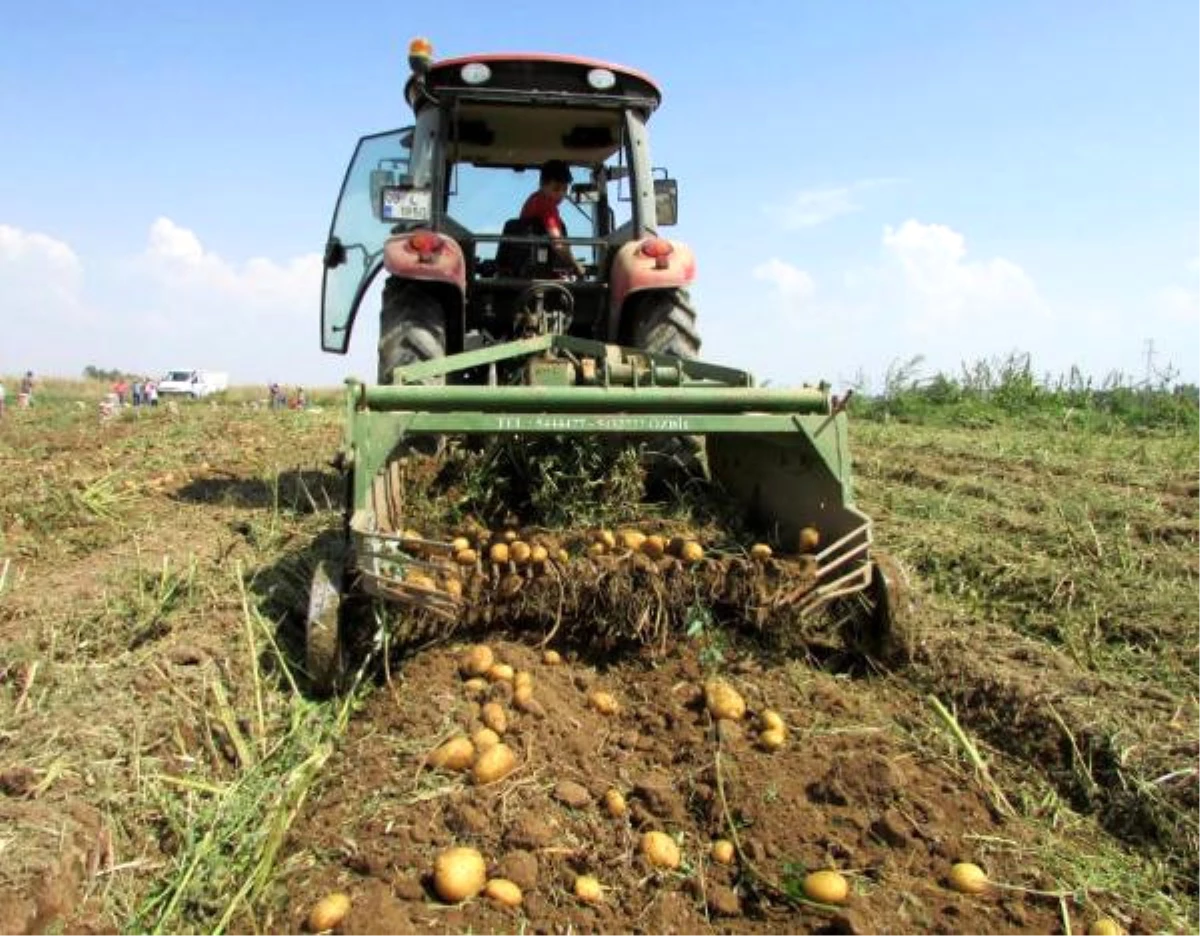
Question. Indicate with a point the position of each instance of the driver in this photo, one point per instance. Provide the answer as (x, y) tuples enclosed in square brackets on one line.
[(542, 208)]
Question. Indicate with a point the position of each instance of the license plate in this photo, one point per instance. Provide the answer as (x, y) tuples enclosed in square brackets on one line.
[(401, 204)]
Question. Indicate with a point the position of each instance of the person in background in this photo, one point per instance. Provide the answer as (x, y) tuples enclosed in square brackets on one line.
[(273, 395), (151, 392), (25, 397), (138, 389)]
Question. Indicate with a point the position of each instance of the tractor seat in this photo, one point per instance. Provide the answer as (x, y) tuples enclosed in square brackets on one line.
[(520, 260)]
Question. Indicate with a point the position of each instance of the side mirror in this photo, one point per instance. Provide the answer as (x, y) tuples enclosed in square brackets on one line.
[(666, 202), (584, 193)]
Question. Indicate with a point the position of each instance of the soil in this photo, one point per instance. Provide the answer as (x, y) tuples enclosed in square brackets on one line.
[(842, 793)]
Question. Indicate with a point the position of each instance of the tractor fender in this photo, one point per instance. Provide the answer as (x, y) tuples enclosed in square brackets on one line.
[(633, 271), (443, 265)]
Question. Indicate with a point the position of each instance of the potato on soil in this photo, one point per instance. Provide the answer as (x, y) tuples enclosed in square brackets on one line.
[(520, 552), (475, 686), (522, 678), (810, 539), (723, 700), (771, 719), (477, 660), (459, 543), (498, 553), (722, 852), (328, 913), (587, 889), (466, 557), (760, 552), (455, 754), (826, 887), (459, 874), (614, 803), (654, 546), (493, 716), (1105, 926), (772, 739), (597, 549), (691, 553), (500, 672), (660, 851), (452, 587), (631, 539), (494, 764), (968, 878), (421, 581), (539, 555), (503, 892), (606, 538), (552, 658), (485, 738), (604, 702)]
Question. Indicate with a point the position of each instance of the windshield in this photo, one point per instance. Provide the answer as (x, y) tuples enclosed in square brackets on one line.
[(178, 376)]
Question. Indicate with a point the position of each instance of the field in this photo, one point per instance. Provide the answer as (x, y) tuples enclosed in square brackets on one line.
[(163, 766)]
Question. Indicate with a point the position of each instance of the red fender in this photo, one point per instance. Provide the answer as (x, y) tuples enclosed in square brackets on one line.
[(633, 271), (443, 264)]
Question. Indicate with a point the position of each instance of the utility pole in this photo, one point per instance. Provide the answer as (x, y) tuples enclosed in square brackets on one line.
[(1149, 362)]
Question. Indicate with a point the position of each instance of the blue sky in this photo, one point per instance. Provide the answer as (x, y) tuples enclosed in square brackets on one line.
[(861, 181)]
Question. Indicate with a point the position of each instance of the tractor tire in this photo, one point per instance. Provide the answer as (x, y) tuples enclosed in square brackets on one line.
[(412, 328), (664, 322)]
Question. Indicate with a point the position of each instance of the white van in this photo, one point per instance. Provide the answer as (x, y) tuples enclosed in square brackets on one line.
[(192, 383)]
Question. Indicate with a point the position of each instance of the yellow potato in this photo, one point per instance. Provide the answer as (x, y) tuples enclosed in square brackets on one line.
[(477, 660), (328, 913), (522, 678), (485, 738), (1105, 926), (967, 878), (492, 715), (654, 546), (520, 552), (455, 754), (605, 537), (503, 892), (552, 658), (498, 553), (494, 764), (631, 539), (771, 719), (604, 702), (660, 851), (760, 552), (614, 803), (459, 543), (810, 539), (453, 588), (722, 852), (723, 700), (826, 887), (475, 686), (691, 552), (459, 874), (539, 555), (500, 672), (587, 889), (772, 739), (466, 557)]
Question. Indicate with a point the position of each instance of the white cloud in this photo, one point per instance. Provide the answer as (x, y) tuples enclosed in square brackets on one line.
[(944, 289), (792, 283), (811, 207)]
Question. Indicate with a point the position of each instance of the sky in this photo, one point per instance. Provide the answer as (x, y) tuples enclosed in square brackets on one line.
[(862, 182)]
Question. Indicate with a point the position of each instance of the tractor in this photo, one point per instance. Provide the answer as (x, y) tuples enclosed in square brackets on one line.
[(493, 326)]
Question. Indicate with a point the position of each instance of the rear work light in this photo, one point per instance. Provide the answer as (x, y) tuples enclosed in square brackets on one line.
[(425, 243), (659, 249)]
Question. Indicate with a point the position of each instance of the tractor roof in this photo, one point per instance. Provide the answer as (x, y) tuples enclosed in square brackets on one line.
[(510, 78)]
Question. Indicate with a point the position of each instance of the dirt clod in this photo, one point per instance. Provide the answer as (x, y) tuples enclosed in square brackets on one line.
[(572, 794)]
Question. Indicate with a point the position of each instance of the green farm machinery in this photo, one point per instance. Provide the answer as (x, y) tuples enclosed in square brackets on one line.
[(487, 334)]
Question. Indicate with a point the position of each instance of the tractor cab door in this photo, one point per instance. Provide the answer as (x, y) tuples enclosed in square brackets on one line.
[(377, 198)]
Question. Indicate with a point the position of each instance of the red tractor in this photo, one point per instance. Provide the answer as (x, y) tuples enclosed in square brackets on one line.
[(438, 206)]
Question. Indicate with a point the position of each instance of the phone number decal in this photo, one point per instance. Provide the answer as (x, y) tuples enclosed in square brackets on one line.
[(541, 423)]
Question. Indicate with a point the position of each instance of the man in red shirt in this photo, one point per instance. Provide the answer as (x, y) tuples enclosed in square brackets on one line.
[(542, 207)]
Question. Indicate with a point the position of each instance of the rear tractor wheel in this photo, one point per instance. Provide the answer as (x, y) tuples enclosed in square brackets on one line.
[(664, 322), (412, 328)]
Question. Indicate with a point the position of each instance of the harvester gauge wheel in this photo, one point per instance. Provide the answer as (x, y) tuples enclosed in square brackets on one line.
[(895, 614), (322, 635)]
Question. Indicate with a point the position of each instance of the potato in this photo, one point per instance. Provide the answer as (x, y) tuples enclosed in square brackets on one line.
[(772, 739), (485, 738), (493, 716), (771, 719), (967, 878), (723, 700), (660, 851), (810, 539), (455, 754), (459, 874), (494, 764), (631, 539), (499, 672), (1105, 926), (420, 580), (603, 702), (475, 686), (691, 552), (477, 660), (552, 658), (498, 553), (563, 556), (614, 803), (722, 852), (654, 546), (509, 536), (605, 537), (452, 587), (519, 552), (827, 887), (760, 552), (522, 678), (539, 555), (597, 549), (587, 889), (466, 557), (328, 913), (503, 892)]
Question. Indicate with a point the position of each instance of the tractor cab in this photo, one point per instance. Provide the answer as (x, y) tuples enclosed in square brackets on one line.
[(438, 206)]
